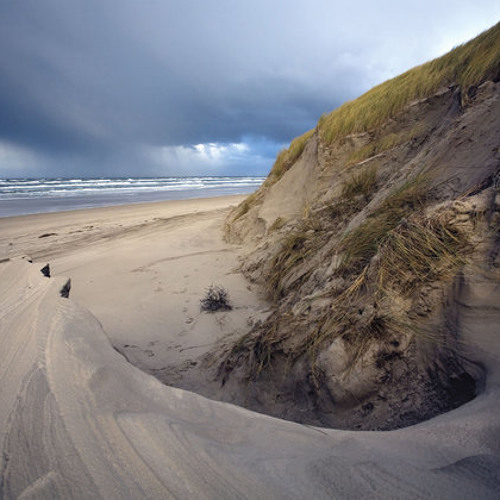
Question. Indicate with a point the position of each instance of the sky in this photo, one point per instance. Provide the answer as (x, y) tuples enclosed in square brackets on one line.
[(109, 88)]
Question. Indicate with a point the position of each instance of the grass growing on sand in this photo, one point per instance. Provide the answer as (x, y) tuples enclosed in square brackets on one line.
[(361, 244), (399, 249), (293, 251), (413, 254), (467, 65), (356, 193), (300, 243), (362, 183), (421, 250)]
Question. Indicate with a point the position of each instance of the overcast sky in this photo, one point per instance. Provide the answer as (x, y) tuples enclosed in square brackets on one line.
[(190, 87)]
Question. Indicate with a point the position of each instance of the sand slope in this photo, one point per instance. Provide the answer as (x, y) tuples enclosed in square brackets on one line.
[(77, 420)]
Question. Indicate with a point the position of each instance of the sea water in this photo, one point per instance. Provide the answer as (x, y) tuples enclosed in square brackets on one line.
[(29, 196)]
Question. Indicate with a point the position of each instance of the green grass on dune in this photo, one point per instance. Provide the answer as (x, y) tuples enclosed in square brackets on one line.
[(467, 65)]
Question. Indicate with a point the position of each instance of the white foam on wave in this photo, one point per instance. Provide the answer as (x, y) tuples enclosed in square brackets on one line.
[(42, 188)]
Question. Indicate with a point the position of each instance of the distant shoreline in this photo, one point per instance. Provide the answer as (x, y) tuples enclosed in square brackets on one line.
[(16, 200)]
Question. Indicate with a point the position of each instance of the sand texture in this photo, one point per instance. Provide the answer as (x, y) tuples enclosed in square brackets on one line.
[(79, 420)]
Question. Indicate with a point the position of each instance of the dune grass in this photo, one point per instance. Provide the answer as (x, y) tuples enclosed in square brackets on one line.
[(421, 251), (356, 193), (362, 183), (362, 243), (293, 250), (411, 255), (467, 65)]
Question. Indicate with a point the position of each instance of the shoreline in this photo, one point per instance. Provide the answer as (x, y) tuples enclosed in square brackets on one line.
[(47, 196)]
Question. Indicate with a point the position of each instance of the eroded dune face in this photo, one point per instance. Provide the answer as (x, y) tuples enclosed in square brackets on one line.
[(366, 244), (78, 421)]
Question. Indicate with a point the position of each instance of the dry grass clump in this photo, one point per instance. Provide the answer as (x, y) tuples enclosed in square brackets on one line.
[(421, 250), (300, 243), (259, 347), (216, 299), (264, 347), (417, 252), (356, 193), (292, 251), (467, 65), (363, 183), (362, 243), (411, 195)]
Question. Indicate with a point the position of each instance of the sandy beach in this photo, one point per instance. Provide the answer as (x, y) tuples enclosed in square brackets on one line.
[(80, 420), (142, 271)]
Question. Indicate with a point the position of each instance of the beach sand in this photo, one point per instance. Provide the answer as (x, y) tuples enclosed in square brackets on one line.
[(142, 271), (80, 420)]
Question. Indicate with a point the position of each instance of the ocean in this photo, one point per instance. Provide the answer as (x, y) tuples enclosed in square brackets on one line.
[(30, 196)]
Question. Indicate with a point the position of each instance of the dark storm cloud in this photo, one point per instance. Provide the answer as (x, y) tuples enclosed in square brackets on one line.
[(110, 86)]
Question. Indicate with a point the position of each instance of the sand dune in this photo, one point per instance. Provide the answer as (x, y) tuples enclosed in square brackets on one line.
[(77, 420)]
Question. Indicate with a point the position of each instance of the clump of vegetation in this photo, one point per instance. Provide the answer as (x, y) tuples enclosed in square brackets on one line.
[(259, 346), (216, 299), (415, 253), (293, 250), (361, 244), (356, 193), (308, 237), (467, 65), (421, 250), (363, 183)]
